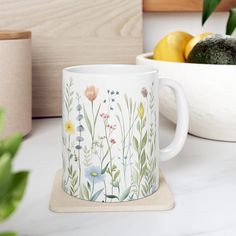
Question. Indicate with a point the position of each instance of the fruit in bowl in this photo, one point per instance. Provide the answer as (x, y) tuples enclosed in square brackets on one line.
[(209, 88)]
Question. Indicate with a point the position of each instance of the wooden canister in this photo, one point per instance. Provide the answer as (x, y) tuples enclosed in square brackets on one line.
[(16, 81)]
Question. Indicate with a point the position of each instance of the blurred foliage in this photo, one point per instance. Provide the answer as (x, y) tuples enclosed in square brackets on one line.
[(208, 8), (12, 184)]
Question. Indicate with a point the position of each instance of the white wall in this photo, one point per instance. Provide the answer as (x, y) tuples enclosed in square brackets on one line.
[(156, 25)]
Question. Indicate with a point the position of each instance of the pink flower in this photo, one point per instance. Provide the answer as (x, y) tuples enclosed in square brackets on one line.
[(113, 141), (104, 116), (91, 93)]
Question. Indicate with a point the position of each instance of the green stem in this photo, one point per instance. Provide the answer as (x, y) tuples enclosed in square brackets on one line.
[(110, 154), (105, 189), (139, 155), (92, 190), (79, 167), (93, 131)]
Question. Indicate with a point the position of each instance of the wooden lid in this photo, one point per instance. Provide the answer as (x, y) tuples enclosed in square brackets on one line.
[(8, 35)]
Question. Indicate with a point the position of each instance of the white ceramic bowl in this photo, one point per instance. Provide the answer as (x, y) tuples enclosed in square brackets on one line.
[(211, 95)]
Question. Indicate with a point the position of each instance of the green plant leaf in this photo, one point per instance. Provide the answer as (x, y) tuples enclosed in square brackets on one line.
[(115, 184), (111, 196), (125, 194), (135, 143), (116, 174), (105, 168), (9, 234), (208, 7), (96, 116), (143, 172), (144, 140), (231, 23), (11, 145), (10, 201), (126, 101), (87, 121), (95, 195), (143, 158), (1, 119), (84, 192), (5, 174)]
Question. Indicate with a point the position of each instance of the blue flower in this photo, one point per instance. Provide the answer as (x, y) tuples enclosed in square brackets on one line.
[(79, 107), (80, 139), (78, 147), (79, 117), (80, 128), (94, 175)]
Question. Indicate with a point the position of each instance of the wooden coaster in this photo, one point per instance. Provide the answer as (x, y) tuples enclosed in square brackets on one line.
[(62, 202)]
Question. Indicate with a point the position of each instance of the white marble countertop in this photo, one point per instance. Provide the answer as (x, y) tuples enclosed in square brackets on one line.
[(202, 178)]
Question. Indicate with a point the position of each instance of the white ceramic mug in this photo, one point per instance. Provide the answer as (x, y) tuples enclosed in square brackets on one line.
[(111, 134)]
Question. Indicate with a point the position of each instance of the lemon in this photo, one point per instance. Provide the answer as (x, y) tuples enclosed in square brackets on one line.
[(172, 47), (194, 41)]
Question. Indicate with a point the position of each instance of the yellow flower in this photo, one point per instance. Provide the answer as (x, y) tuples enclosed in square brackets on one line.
[(141, 110), (91, 93), (69, 127)]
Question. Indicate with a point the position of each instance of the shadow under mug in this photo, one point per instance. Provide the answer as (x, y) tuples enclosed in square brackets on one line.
[(111, 132)]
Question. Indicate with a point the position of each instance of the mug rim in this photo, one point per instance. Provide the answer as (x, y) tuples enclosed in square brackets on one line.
[(96, 69)]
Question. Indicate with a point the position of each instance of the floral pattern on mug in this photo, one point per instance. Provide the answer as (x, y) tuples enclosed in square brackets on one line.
[(109, 144)]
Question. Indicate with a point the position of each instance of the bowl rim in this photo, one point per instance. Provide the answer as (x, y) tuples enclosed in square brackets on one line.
[(146, 57)]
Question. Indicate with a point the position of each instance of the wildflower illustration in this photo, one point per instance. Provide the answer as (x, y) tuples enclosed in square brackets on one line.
[(139, 143), (91, 92), (126, 132), (109, 143), (72, 178), (79, 137), (69, 127), (108, 130)]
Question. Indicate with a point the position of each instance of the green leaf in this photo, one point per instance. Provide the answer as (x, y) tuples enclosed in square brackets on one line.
[(144, 122), (9, 234), (96, 116), (85, 192), (10, 145), (138, 126), (125, 194), (135, 143), (95, 195), (10, 201), (116, 174), (208, 7), (144, 141), (111, 196), (1, 119), (87, 121), (126, 101), (143, 158), (5, 174), (89, 186), (115, 184), (231, 23), (118, 105), (105, 168), (130, 104), (135, 175), (143, 172)]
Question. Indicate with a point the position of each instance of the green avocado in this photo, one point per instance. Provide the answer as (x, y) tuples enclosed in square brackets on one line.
[(216, 49)]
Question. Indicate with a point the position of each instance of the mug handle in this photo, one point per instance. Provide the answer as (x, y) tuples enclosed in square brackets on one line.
[(182, 123)]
